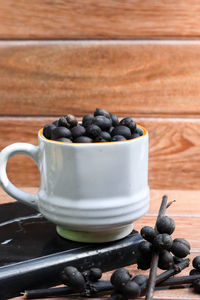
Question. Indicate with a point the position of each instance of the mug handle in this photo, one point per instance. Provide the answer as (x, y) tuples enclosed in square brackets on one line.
[(11, 150)]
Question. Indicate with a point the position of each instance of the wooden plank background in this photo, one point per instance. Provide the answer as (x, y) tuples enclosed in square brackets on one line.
[(107, 19), (141, 79)]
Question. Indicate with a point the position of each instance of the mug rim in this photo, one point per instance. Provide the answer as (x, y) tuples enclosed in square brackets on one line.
[(40, 134)]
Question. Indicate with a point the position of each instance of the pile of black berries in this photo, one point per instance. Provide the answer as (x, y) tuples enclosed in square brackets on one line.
[(160, 240), (100, 127)]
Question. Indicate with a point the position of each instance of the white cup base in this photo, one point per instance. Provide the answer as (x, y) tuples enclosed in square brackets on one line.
[(94, 237)]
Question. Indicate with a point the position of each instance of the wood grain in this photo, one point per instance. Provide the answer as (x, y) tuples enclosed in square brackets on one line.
[(186, 226), (139, 79), (92, 19), (174, 156)]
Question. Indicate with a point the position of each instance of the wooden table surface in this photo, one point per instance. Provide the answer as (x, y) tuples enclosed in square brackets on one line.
[(186, 213)]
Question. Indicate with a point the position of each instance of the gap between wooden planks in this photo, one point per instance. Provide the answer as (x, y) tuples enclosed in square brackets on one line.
[(186, 209)]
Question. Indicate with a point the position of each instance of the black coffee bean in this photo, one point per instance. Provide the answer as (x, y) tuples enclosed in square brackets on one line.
[(194, 272), (148, 233), (165, 261), (163, 241), (119, 278), (93, 131), (121, 130), (87, 120), (134, 135), (118, 138), (128, 122), (105, 135), (196, 285), (115, 121), (196, 263), (59, 132), (131, 289), (64, 140), (165, 225), (47, 130), (180, 248), (103, 122), (145, 248), (72, 121), (55, 122), (73, 278), (140, 279), (101, 112), (83, 139), (77, 131)]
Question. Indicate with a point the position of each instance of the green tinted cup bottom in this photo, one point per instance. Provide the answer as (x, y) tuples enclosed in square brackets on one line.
[(94, 237)]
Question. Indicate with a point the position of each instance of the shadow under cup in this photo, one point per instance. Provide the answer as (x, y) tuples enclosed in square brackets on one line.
[(94, 192)]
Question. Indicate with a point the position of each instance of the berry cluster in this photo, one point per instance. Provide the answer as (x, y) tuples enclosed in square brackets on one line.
[(125, 286), (160, 240), (100, 127), (79, 281)]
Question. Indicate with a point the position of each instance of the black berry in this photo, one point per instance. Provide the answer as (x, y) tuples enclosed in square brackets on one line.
[(148, 233), (72, 121), (95, 274), (139, 130), (60, 132), (165, 225), (131, 289), (73, 278), (105, 135), (93, 131), (119, 278), (118, 138), (163, 241), (143, 263), (47, 130), (63, 122), (196, 263), (194, 272), (145, 248), (115, 121), (128, 122), (180, 247), (77, 131), (135, 135), (121, 130), (101, 112), (103, 122), (196, 285), (55, 123), (165, 260), (140, 279), (83, 139), (87, 120)]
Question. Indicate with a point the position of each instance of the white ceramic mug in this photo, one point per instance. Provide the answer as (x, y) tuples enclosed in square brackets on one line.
[(93, 192)]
